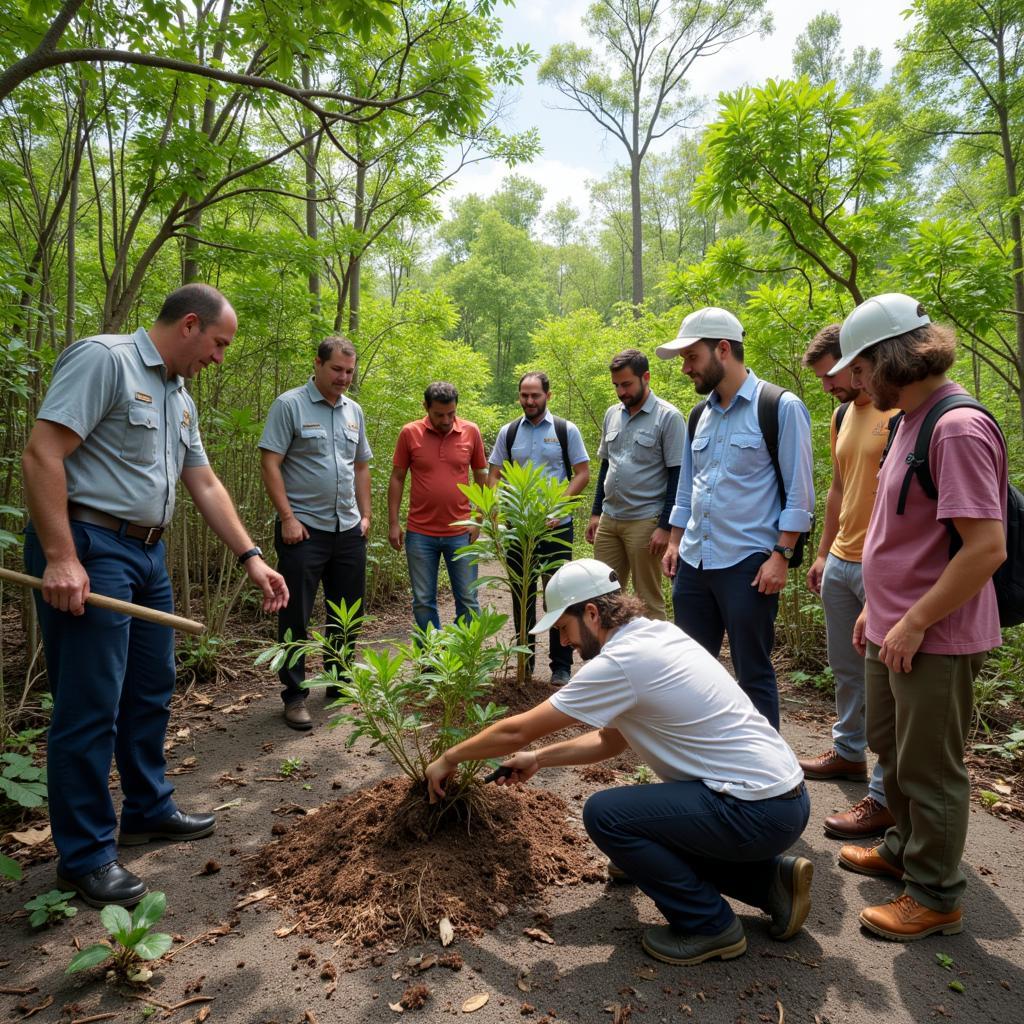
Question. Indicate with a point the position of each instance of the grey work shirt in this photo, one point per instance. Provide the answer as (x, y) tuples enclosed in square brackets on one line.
[(321, 444), (639, 450), (139, 429)]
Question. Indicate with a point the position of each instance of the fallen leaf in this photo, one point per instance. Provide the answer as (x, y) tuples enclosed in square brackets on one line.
[(183, 734), (425, 964), (645, 972), (190, 762), (447, 932), (230, 803), (782, 1012), (473, 1003), (395, 975), (30, 837), (539, 935), (211, 867), (255, 897), (397, 1007), (1002, 787), (523, 984), (202, 1015), (283, 933)]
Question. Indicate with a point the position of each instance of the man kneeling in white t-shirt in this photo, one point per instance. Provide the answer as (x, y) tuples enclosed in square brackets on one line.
[(732, 799)]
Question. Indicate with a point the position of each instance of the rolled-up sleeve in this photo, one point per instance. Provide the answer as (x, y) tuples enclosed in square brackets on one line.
[(796, 461), (680, 514)]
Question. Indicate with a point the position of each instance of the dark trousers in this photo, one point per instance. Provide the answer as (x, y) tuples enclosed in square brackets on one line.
[(686, 846), (112, 678), (561, 657), (708, 603), (336, 559)]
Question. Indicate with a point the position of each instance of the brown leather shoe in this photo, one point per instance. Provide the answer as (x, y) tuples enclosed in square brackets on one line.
[(904, 919), (831, 765), (296, 716), (865, 860), (865, 818)]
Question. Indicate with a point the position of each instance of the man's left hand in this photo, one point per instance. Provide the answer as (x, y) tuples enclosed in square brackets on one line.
[(364, 526), (473, 533), (900, 645), (771, 577), (438, 774), (659, 541), (275, 590)]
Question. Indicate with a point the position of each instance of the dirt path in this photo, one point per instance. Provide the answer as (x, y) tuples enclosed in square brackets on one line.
[(833, 971)]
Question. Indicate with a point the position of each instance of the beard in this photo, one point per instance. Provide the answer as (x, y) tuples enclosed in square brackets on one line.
[(710, 377), (632, 401), (589, 646), (884, 396)]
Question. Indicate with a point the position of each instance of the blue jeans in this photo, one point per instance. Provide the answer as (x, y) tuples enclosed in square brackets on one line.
[(112, 678), (686, 846), (708, 603), (424, 555)]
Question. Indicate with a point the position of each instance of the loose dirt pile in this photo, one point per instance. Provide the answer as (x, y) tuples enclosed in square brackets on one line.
[(378, 867)]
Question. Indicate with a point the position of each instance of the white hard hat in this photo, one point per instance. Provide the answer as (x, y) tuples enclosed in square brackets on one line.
[(574, 582), (874, 320), (710, 322)]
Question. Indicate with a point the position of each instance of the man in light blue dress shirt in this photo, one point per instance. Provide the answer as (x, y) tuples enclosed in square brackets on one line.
[(732, 539)]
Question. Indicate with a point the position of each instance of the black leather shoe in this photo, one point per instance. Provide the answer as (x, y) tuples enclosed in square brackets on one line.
[(179, 826), (109, 884)]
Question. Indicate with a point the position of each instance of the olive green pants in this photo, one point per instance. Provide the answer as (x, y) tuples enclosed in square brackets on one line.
[(917, 724), (623, 544)]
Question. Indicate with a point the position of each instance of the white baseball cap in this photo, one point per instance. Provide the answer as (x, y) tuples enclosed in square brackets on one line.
[(574, 582), (874, 320), (711, 322)]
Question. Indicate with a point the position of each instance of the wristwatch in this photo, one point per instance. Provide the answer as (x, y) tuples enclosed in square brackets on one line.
[(251, 553), (787, 553)]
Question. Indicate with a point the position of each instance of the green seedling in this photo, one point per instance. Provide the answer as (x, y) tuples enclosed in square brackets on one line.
[(132, 940), (50, 907), (289, 766), (988, 798), (643, 776), (944, 961)]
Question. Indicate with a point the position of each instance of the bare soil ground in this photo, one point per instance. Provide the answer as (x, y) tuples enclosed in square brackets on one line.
[(244, 945)]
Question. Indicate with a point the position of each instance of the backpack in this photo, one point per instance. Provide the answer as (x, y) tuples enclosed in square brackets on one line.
[(768, 421), (561, 432), (1009, 577), (840, 413)]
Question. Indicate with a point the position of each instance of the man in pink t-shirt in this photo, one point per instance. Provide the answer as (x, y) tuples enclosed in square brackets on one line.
[(929, 618)]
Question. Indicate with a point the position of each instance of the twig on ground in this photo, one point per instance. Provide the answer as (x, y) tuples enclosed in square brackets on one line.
[(789, 956), (187, 1002), (95, 1017), (30, 1011)]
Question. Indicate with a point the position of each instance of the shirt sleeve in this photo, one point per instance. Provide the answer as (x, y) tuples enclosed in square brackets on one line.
[(673, 437), (499, 453), (680, 514), (796, 460), (84, 388), (577, 449), (402, 456), (363, 452), (196, 453), (597, 695), (478, 460), (968, 464), (277, 431), (602, 448)]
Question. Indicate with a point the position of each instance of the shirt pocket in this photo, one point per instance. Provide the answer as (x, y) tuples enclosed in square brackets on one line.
[(351, 443), (646, 450), (746, 454), (142, 429), (312, 440), (699, 453)]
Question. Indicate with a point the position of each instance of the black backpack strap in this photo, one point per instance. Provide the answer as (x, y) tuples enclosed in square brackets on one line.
[(768, 420), (511, 430), (840, 414), (694, 419), (894, 422), (562, 433)]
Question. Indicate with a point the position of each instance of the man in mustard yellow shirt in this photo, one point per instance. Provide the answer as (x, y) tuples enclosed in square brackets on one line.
[(859, 432)]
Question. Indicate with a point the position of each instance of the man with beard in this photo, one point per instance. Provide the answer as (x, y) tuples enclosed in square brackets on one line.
[(441, 451), (731, 800), (931, 613), (557, 447), (858, 435), (641, 449), (732, 536)]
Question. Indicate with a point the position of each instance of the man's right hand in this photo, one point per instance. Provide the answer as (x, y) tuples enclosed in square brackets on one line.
[(670, 560), (66, 585), (293, 532), (859, 640), (592, 528), (814, 575), (524, 766), (395, 536)]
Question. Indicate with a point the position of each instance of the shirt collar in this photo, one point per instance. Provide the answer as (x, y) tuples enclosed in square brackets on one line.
[(456, 427), (648, 406), (747, 390), (315, 395), (151, 357), (546, 418)]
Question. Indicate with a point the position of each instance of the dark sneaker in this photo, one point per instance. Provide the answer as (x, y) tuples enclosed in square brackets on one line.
[(179, 827), (110, 884), (559, 678), (865, 818), (671, 947), (789, 900), (296, 716)]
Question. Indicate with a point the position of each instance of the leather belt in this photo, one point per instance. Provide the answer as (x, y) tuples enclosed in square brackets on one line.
[(793, 794), (82, 513)]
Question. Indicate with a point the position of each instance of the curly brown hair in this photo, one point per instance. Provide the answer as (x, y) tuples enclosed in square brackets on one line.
[(907, 358), (614, 609)]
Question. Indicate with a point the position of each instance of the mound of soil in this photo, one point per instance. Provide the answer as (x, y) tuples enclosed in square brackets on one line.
[(378, 866)]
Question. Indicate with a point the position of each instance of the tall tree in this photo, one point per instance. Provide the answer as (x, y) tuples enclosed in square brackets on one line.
[(634, 83)]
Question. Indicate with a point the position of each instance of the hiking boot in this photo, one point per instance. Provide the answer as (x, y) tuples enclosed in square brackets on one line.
[(789, 899), (904, 920), (865, 818), (864, 860), (672, 947), (296, 716), (832, 765)]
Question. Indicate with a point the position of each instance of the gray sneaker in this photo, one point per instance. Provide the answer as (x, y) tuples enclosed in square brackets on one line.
[(671, 947), (789, 899), (296, 716), (559, 678)]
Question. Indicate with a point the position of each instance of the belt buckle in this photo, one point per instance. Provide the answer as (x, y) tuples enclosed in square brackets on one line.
[(149, 538)]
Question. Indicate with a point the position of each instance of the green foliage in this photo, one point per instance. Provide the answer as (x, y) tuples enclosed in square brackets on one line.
[(132, 939), (21, 781), (50, 907), (289, 766), (1011, 748)]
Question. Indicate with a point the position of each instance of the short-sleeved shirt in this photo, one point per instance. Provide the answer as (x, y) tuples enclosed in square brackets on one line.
[(320, 443), (640, 449), (857, 449), (905, 554), (538, 443), (439, 463), (139, 429), (681, 711)]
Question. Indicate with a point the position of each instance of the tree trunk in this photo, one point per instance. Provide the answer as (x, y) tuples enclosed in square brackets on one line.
[(638, 233), (309, 154), (358, 223)]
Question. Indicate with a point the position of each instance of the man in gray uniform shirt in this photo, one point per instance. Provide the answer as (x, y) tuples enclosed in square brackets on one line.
[(115, 431), (316, 467)]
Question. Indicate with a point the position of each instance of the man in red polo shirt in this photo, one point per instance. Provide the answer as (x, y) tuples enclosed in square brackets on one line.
[(440, 449)]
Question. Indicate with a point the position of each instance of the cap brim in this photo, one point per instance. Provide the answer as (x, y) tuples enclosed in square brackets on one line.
[(842, 364), (672, 348), (548, 621)]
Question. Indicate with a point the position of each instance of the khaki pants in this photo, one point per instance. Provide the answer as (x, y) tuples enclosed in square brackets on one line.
[(917, 723), (623, 544)]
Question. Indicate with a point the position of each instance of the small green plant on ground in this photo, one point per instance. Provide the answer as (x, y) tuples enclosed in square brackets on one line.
[(289, 766), (22, 787), (824, 681), (515, 518), (643, 775), (1011, 748), (132, 940), (50, 907), (197, 659)]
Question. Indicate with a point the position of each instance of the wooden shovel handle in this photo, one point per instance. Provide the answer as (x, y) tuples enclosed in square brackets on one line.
[(137, 611)]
